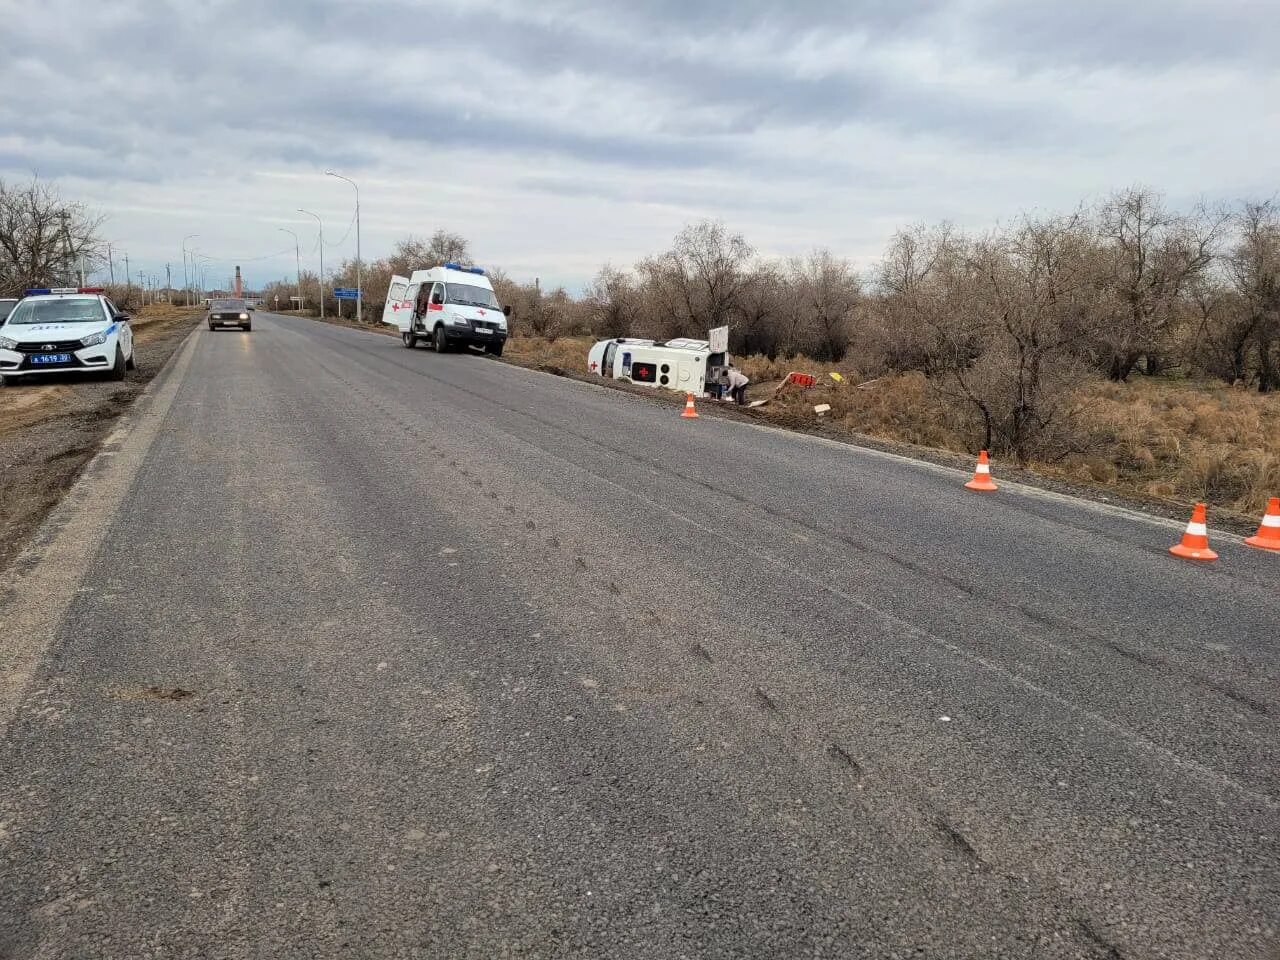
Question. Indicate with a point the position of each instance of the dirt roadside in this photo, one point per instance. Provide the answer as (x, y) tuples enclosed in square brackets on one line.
[(50, 429)]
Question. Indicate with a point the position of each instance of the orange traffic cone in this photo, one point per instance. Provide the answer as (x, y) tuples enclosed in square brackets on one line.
[(982, 475), (1268, 536), (1195, 542), (689, 412)]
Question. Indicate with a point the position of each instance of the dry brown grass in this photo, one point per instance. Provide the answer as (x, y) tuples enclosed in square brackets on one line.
[(567, 353), (1184, 440)]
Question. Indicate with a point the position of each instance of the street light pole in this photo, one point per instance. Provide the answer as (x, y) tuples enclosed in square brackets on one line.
[(321, 222), (186, 281), (297, 259), (359, 285)]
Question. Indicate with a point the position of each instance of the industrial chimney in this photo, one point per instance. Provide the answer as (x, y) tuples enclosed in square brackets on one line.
[(239, 286)]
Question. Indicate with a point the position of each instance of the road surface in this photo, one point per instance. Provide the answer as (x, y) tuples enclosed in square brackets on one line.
[(345, 650)]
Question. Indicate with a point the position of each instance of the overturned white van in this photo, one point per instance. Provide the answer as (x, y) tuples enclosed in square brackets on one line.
[(679, 365), (447, 306)]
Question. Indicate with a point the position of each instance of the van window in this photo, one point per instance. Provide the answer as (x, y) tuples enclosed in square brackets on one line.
[(397, 291), (610, 352), (470, 295)]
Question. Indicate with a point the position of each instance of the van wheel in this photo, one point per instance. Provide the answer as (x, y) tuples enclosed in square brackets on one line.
[(409, 340), (495, 348), (439, 340)]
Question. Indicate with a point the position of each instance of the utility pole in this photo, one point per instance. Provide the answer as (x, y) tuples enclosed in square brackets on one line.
[(68, 254), (321, 222), (168, 283), (127, 281), (297, 264), (111, 264), (186, 281), (359, 285)]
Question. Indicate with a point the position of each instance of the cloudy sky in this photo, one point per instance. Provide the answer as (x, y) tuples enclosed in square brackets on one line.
[(557, 134)]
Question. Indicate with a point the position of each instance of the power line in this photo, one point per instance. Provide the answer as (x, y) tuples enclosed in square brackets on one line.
[(345, 235), (269, 256)]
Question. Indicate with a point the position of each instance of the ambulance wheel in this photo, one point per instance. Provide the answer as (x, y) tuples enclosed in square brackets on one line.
[(439, 341), (495, 349), (409, 340)]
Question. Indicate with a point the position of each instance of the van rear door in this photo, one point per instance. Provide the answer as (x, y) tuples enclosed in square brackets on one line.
[(397, 311)]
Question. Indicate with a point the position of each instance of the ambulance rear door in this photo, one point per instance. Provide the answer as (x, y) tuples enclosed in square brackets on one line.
[(397, 310)]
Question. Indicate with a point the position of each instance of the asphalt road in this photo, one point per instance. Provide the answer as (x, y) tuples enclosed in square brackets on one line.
[(345, 650)]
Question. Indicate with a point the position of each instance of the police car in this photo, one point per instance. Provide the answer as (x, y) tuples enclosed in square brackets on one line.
[(68, 330)]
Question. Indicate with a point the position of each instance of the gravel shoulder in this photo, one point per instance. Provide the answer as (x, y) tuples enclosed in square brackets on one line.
[(50, 430)]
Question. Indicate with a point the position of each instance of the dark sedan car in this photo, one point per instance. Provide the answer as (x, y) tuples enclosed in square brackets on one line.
[(230, 313)]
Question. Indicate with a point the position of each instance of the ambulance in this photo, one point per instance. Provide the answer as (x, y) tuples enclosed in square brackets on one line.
[(679, 365), (448, 306)]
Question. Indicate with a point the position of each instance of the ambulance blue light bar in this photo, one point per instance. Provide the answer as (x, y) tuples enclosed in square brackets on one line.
[(461, 269)]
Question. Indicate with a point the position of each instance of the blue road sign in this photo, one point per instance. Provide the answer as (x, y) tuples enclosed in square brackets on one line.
[(345, 293)]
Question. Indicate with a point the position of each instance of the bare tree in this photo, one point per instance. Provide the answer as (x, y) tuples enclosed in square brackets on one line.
[(1148, 256), (825, 293), (920, 285), (43, 239), (446, 247), (696, 285), (762, 310), (1254, 267), (611, 302)]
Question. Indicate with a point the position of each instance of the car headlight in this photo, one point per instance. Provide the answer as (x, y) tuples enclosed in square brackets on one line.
[(244, 316), (460, 321), (94, 339), (7, 344)]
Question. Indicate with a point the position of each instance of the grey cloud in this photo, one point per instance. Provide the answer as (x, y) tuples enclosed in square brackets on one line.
[(1087, 34), (161, 91)]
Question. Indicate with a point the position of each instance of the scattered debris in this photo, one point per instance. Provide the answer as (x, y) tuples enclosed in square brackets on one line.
[(822, 408), (801, 381)]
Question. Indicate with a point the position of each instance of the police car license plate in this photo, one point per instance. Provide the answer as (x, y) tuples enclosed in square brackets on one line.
[(40, 358)]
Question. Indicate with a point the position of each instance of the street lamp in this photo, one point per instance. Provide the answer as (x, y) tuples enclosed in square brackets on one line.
[(197, 273), (185, 279), (359, 290), (321, 222), (297, 255)]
